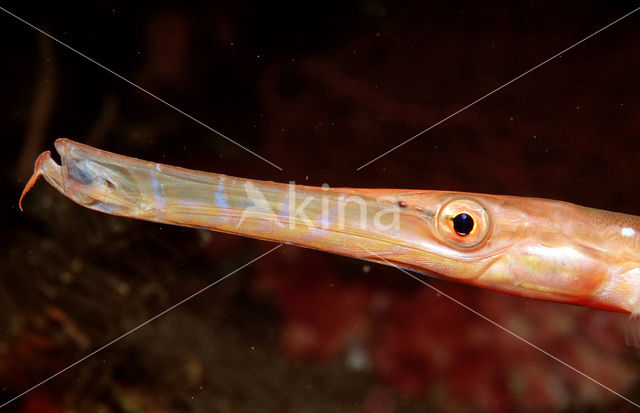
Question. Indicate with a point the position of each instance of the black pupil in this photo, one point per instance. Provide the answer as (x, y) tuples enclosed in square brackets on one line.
[(463, 224)]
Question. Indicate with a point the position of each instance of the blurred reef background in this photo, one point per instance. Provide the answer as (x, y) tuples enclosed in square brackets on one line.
[(318, 88)]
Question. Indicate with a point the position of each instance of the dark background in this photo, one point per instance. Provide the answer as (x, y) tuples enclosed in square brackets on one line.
[(319, 88)]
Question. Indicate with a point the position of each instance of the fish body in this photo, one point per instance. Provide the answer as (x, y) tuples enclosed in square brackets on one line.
[(531, 247)]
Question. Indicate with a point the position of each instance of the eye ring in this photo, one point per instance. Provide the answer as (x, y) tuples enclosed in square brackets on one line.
[(463, 223)]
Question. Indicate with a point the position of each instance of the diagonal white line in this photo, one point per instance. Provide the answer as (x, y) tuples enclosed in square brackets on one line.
[(499, 88), (524, 340), (138, 87), (138, 327)]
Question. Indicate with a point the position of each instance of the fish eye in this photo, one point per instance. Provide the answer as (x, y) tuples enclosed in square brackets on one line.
[(463, 223)]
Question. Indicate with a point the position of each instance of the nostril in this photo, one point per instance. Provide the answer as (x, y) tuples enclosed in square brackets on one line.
[(110, 184)]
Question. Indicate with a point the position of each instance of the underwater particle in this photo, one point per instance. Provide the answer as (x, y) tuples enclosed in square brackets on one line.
[(357, 358)]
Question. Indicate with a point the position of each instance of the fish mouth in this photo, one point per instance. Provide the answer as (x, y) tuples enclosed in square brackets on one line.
[(46, 167)]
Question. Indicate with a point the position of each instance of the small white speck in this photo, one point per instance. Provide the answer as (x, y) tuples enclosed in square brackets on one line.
[(357, 358), (627, 232)]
